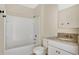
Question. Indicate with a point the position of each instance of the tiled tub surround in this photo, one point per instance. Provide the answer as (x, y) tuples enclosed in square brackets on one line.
[(68, 37)]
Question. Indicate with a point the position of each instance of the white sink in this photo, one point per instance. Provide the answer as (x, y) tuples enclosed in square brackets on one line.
[(66, 39)]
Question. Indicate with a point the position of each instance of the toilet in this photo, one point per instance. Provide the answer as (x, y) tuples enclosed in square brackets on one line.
[(39, 50)]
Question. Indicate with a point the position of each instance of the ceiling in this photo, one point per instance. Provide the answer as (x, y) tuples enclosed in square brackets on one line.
[(60, 6), (30, 5), (64, 6)]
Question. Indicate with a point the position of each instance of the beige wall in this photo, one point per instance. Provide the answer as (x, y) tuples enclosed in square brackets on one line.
[(72, 12), (64, 6), (1, 31), (48, 14), (1, 35), (48, 20), (18, 10)]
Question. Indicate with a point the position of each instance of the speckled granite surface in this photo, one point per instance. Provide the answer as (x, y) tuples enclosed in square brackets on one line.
[(69, 36)]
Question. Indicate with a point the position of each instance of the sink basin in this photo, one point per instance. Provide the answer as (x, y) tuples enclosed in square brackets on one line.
[(67, 39)]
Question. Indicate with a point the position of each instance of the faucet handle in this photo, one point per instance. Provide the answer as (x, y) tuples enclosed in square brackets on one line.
[(35, 35)]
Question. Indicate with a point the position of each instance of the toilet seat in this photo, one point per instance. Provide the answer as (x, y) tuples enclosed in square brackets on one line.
[(39, 50)]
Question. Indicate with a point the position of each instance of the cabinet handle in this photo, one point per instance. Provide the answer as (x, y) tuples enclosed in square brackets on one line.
[(67, 22), (58, 52)]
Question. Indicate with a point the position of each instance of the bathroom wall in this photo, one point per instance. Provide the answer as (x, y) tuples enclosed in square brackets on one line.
[(18, 10), (1, 35), (72, 12), (48, 20), (64, 6), (1, 31)]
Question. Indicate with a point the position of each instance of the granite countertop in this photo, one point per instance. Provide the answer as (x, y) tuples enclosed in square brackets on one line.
[(61, 40), (68, 46)]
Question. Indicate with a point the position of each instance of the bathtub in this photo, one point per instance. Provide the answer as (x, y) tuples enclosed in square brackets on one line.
[(24, 50)]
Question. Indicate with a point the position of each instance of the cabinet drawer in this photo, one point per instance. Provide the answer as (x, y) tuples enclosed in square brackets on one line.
[(56, 51)]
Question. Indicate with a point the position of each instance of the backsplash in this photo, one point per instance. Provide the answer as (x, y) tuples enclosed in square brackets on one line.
[(70, 36)]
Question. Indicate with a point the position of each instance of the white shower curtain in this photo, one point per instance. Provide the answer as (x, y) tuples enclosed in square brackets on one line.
[(19, 31)]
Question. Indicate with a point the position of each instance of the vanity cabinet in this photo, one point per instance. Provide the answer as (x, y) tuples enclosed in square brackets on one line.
[(53, 48), (69, 18), (56, 51), (59, 47)]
